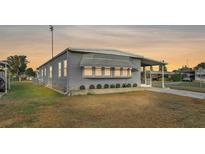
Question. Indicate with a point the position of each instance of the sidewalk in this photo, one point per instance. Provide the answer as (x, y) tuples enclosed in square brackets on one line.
[(178, 92)]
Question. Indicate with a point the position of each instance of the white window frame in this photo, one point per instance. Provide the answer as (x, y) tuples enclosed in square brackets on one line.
[(107, 71), (59, 70), (117, 72), (98, 71), (45, 72), (87, 71), (65, 68), (125, 71), (51, 72)]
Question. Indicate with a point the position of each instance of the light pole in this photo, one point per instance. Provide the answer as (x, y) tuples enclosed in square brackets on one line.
[(51, 29), (200, 77)]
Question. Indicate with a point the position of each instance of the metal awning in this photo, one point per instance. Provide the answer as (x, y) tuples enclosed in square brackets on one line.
[(104, 62), (151, 62)]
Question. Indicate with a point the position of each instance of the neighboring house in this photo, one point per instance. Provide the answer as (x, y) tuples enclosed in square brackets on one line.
[(4, 77), (200, 74), (75, 67), (157, 75), (188, 74)]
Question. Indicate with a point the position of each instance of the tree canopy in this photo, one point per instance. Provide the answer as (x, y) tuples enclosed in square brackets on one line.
[(29, 72), (201, 65), (18, 64)]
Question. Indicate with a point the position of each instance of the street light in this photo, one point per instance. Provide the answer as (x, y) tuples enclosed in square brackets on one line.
[(51, 29)]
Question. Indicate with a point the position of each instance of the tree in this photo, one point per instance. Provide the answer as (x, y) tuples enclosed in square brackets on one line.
[(176, 77), (17, 65), (201, 65), (30, 73)]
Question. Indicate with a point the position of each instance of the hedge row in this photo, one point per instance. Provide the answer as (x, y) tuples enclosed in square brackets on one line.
[(99, 86)]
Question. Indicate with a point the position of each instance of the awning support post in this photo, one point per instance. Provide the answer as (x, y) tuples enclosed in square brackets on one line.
[(151, 69), (9, 81), (163, 76), (6, 80), (145, 75)]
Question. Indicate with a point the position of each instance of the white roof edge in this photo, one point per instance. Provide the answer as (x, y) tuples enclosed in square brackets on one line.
[(105, 51), (101, 51)]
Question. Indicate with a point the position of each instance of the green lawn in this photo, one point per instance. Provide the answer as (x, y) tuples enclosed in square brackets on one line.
[(28, 105)]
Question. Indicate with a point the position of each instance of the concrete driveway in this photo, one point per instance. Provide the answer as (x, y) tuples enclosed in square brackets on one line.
[(178, 92)]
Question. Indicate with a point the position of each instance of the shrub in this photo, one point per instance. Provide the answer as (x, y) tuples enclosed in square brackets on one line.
[(176, 77), (128, 85), (92, 86), (123, 85), (99, 86), (112, 86), (82, 87), (117, 85), (106, 86), (135, 85)]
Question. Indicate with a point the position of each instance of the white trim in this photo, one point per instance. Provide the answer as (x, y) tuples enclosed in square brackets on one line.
[(59, 69), (163, 76)]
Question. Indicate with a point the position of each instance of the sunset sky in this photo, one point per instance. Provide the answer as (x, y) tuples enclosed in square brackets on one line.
[(177, 45)]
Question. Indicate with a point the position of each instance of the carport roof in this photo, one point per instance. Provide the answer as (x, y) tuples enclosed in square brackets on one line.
[(151, 62), (3, 63)]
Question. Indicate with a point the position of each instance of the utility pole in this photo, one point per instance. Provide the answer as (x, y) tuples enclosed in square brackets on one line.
[(200, 77), (51, 29)]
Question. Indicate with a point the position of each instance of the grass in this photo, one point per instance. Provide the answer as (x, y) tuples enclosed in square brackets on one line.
[(28, 105)]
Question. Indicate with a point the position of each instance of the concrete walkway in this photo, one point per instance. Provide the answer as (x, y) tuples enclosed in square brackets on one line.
[(178, 92)]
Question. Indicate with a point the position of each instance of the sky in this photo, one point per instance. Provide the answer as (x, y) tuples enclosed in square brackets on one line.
[(177, 45)]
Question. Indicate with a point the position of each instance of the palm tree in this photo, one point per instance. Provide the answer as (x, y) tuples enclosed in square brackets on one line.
[(17, 65)]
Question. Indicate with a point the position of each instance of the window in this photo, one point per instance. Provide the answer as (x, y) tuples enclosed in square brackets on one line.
[(130, 72), (107, 71), (117, 71), (45, 72), (59, 69), (42, 73), (65, 68), (88, 71), (98, 71), (125, 71), (51, 72)]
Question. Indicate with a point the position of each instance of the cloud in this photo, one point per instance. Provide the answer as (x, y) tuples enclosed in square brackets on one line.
[(172, 43)]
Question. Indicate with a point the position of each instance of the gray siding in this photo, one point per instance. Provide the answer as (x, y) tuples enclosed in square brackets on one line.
[(76, 78), (75, 73), (55, 81)]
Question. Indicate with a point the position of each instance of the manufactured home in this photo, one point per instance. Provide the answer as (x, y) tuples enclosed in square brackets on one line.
[(200, 74), (74, 68)]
